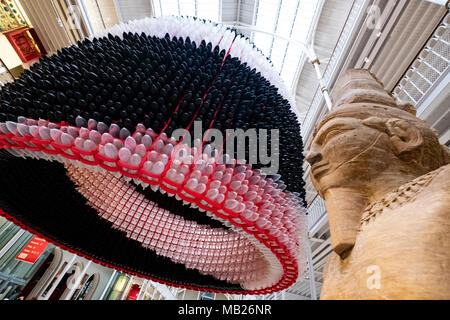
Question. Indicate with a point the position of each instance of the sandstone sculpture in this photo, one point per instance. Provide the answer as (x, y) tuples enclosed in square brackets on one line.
[(386, 182)]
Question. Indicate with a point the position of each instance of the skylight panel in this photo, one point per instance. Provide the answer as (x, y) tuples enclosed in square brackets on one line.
[(263, 42), (156, 8), (304, 20), (286, 17), (290, 19), (187, 8), (204, 9), (170, 7), (267, 15), (290, 63), (208, 9), (278, 51)]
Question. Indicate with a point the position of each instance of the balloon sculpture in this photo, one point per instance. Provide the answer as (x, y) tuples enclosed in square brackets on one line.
[(89, 159)]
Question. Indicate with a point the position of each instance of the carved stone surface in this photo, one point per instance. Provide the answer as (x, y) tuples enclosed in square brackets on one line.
[(386, 182)]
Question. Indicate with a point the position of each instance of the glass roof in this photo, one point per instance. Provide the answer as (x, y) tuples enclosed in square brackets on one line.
[(204, 9), (291, 19)]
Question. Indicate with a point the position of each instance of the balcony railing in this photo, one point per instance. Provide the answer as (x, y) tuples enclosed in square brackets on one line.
[(431, 65), (316, 211)]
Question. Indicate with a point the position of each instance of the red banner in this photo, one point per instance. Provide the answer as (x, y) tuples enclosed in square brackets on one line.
[(32, 250), (134, 291)]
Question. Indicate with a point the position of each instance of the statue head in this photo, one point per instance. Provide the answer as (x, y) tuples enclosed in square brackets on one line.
[(368, 145)]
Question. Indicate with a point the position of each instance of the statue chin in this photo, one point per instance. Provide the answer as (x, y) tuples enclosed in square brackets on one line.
[(389, 221)]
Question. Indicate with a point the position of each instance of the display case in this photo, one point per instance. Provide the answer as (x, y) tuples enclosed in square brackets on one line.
[(19, 33), (26, 43)]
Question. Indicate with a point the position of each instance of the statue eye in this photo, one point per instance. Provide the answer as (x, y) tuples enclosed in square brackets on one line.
[(331, 133)]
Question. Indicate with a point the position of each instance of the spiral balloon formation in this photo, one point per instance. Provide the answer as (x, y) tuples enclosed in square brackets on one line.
[(88, 159)]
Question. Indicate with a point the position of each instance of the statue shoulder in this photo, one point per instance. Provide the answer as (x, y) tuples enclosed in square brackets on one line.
[(439, 187), (443, 177), (431, 185)]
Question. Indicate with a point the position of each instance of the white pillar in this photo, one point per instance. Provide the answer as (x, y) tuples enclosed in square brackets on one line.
[(127, 288), (77, 282), (312, 282), (49, 293), (86, 17), (143, 290), (107, 285), (323, 86), (118, 10), (154, 293), (11, 242)]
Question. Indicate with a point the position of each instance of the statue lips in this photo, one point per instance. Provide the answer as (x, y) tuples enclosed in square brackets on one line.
[(319, 169)]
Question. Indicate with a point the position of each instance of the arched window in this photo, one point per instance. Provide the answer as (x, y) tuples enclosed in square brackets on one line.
[(62, 289), (87, 287)]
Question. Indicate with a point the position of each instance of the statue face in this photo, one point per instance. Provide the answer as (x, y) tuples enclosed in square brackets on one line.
[(347, 153)]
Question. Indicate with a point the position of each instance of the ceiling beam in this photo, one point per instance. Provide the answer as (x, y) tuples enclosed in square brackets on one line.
[(439, 2), (238, 11)]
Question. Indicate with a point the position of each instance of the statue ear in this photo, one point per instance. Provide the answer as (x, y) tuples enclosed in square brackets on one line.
[(404, 136), (376, 123)]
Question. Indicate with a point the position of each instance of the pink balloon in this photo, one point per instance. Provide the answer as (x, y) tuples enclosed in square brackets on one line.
[(111, 150), (124, 154)]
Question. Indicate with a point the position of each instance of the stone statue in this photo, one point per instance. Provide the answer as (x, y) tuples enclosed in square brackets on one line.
[(386, 182)]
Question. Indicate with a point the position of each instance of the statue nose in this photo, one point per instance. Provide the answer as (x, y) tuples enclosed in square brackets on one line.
[(313, 157)]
